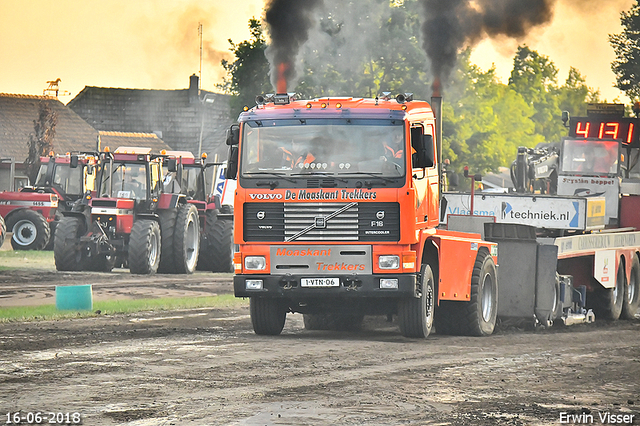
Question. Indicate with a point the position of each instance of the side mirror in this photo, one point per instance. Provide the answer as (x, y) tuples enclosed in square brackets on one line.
[(172, 165), (232, 163), (233, 135), (73, 162)]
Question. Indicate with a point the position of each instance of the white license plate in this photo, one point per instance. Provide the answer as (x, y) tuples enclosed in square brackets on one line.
[(319, 282)]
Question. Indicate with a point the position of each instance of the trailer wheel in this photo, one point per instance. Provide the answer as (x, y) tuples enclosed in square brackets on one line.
[(415, 315), (66, 253), (632, 291), (167, 228), (3, 231), (144, 247), (267, 315), (186, 239), (608, 302), (206, 241), (481, 311), (30, 230)]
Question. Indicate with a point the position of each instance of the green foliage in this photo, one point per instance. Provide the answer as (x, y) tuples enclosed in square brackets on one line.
[(248, 75), (626, 46), (486, 122)]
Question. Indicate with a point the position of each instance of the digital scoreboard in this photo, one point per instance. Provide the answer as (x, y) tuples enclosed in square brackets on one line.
[(626, 129)]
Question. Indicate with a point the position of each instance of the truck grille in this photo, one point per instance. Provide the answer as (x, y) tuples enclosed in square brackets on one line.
[(308, 222)]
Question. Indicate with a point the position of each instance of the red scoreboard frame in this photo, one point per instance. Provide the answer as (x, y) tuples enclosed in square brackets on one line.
[(626, 129)]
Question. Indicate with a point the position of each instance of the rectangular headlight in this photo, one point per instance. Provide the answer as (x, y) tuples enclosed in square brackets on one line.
[(389, 262), (389, 283), (255, 263), (253, 284)]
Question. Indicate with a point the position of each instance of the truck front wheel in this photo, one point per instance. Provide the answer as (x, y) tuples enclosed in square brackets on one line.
[(415, 315), (267, 315), (481, 312), (632, 291)]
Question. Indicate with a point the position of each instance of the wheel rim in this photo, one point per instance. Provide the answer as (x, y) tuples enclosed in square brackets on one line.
[(631, 289), (192, 243), (429, 301), (153, 252), (487, 297), (24, 232)]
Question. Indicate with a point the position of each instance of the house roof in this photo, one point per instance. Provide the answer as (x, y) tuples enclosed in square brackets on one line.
[(17, 116), (178, 117), (143, 140)]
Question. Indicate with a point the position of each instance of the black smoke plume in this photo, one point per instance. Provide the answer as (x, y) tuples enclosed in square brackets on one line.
[(451, 25), (289, 24)]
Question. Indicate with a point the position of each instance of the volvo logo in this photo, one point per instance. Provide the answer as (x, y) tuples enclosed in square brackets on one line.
[(380, 214), (260, 215)]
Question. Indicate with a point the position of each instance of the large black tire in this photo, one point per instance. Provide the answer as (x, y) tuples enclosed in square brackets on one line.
[(186, 239), (3, 231), (144, 247), (52, 232), (415, 315), (67, 254), (267, 315), (221, 249), (608, 302), (481, 312), (632, 291), (205, 263), (30, 230), (167, 228)]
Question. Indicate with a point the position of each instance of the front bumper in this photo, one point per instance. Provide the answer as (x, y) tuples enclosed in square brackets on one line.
[(351, 286)]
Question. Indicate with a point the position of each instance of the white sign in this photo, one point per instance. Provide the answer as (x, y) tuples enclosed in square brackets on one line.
[(585, 186), (604, 268), (540, 211)]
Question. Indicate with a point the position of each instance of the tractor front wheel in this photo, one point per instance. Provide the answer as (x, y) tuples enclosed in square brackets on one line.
[(144, 247)]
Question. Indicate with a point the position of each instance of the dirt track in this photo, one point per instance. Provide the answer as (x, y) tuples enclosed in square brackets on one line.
[(207, 367)]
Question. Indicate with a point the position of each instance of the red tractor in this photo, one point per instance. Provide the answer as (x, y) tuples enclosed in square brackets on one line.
[(128, 220), (32, 213), (186, 175)]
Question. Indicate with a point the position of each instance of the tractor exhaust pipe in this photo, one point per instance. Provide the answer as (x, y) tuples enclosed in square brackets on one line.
[(436, 106)]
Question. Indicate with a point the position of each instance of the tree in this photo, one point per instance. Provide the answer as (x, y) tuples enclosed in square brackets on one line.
[(626, 45), (484, 120), (575, 94), (40, 142), (248, 75)]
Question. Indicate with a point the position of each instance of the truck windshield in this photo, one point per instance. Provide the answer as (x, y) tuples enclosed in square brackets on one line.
[(586, 157), (129, 181), (323, 147)]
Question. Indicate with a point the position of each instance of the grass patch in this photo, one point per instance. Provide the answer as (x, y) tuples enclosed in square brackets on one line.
[(110, 307), (33, 259)]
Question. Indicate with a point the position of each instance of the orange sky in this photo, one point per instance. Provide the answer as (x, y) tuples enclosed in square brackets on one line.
[(153, 44)]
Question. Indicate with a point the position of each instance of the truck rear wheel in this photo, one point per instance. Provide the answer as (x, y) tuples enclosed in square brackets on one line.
[(415, 315), (632, 291), (30, 230), (481, 312), (144, 247), (608, 302), (267, 315), (66, 253), (186, 239)]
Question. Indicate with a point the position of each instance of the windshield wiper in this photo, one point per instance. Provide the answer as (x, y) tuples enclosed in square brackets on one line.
[(280, 175), (321, 173), (372, 174)]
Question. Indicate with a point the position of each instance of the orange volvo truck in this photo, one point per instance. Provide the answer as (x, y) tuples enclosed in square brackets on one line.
[(336, 217)]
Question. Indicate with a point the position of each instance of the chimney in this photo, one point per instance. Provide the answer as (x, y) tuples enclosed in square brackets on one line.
[(194, 89)]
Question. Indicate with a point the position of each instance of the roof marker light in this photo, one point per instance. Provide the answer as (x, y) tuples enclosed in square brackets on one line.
[(308, 105), (323, 105), (338, 105)]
